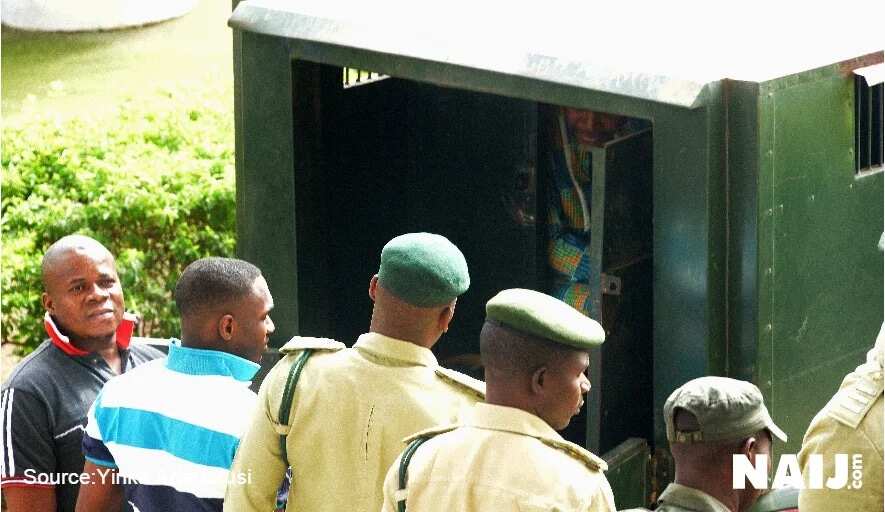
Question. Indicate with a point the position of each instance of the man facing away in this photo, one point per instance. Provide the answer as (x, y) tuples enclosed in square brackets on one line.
[(709, 421), (506, 455), (163, 436), (339, 422), (45, 399)]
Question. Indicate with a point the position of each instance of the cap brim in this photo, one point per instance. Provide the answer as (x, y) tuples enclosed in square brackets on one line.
[(775, 430)]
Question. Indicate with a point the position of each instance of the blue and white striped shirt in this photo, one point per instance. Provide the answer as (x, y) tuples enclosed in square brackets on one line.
[(171, 427)]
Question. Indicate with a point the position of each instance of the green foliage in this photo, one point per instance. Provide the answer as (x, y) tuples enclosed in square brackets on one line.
[(154, 182)]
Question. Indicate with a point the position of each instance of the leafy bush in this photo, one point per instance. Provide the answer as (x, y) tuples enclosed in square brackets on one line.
[(154, 182)]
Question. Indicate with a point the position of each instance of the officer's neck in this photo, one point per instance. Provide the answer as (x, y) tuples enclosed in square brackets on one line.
[(505, 395), (422, 339), (411, 328)]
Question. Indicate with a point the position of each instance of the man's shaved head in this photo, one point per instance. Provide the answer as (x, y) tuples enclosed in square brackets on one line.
[(64, 245), (509, 353), (82, 290), (534, 374)]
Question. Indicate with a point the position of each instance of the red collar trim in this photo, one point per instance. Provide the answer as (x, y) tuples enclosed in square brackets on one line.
[(124, 335)]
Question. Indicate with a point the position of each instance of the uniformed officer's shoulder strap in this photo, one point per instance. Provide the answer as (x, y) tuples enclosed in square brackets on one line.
[(305, 342), (852, 403), (591, 461), (466, 383), (307, 346), (413, 441), (431, 432)]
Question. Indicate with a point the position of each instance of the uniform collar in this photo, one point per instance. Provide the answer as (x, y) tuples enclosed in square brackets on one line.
[(399, 350), (509, 419), (124, 335), (197, 361), (691, 498)]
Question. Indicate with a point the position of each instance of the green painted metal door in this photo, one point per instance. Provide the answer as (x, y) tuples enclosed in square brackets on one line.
[(620, 413), (820, 273)]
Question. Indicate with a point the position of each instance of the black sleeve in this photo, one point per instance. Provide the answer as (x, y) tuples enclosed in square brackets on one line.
[(27, 439)]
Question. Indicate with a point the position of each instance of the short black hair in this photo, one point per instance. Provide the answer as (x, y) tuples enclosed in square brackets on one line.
[(508, 352), (209, 283)]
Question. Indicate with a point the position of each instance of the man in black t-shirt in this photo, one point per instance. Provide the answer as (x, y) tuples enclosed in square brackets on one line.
[(45, 400)]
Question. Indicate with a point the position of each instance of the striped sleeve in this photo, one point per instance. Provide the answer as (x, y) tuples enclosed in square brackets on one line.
[(27, 439), (94, 448)]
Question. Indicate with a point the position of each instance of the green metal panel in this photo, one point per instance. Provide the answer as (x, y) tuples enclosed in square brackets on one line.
[(763, 239), (820, 301), (265, 184), (510, 71), (717, 211), (627, 473), (685, 312), (621, 404), (743, 175), (692, 284)]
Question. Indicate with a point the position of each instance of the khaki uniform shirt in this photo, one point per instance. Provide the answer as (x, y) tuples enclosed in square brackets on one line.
[(851, 423), (680, 498), (500, 459), (351, 409)]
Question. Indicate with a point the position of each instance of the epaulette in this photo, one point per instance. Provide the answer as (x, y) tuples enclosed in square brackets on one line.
[(852, 403), (474, 386), (431, 432), (298, 343), (591, 461)]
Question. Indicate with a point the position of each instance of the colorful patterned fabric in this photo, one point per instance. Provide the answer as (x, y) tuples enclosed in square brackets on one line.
[(575, 294), (569, 247)]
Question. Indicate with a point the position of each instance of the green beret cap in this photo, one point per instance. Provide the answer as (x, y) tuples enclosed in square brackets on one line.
[(543, 316), (423, 269), (726, 409)]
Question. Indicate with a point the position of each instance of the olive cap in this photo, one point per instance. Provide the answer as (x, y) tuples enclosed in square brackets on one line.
[(541, 315), (725, 409), (423, 269)]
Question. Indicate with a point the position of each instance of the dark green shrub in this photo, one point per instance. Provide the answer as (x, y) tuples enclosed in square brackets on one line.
[(154, 183)]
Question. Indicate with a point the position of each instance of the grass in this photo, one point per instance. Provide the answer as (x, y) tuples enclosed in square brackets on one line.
[(71, 74)]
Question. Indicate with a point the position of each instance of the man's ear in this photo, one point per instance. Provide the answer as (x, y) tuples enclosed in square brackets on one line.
[(226, 327), (538, 380), (373, 287), (749, 449), (47, 302), (445, 317)]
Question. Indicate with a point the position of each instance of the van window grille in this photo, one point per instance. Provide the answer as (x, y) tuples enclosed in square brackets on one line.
[(352, 77), (868, 143)]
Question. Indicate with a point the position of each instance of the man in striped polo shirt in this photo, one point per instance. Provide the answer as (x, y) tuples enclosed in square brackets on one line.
[(163, 437)]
